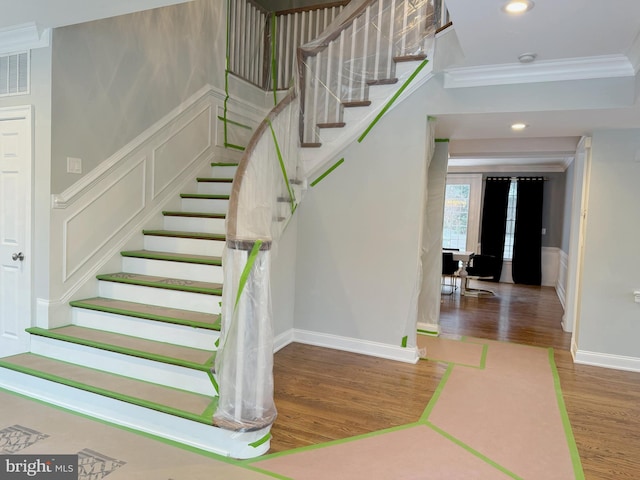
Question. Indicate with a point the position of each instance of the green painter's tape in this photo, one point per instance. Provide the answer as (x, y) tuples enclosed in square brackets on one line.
[(274, 65), (211, 408), (232, 122), (428, 332), (473, 451), (436, 395), (182, 446), (405, 339), (571, 441), (261, 441), (283, 169), (226, 70), (247, 269), (108, 393), (393, 99), (231, 145), (333, 167), (441, 140), (214, 382)]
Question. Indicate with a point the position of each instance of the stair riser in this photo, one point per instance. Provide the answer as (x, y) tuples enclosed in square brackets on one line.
[(125, 365), (204, 205), (143, 328), (213, 188), (223, 172), (181, 270), (193, 434), (191, 224), (198, 302), (194, 246)]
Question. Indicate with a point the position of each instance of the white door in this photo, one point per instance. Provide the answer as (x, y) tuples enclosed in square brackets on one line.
[(15, 233)]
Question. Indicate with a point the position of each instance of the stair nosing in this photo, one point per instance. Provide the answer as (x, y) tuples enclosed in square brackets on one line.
[(205, 417), (214, 180), (122, 350), (205, 196), (169, 257), (167, 286), (194, 214), (146, 316), (190, 235)]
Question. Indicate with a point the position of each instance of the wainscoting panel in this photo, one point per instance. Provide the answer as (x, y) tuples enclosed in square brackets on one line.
[(115, 207), (187, 144), (561, 284)]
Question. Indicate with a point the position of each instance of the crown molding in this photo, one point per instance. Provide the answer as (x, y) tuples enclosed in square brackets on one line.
[(585, 68), (634, 53), (18, 38), (511, 163)]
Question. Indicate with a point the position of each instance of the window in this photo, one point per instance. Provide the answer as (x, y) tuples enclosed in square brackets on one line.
[(461, 222), (511, 220)]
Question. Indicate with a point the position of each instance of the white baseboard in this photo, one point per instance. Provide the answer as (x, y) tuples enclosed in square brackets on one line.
[(429, 327), (356, 345), (617, 362), (282, 340)]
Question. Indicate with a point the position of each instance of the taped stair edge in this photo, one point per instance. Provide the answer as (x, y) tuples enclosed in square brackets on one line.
[(139, 419)]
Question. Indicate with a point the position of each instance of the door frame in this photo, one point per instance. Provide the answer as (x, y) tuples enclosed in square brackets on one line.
[(582, 173), (25, 113)]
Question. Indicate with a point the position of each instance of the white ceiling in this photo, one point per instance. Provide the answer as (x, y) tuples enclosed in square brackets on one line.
[(574, 38)]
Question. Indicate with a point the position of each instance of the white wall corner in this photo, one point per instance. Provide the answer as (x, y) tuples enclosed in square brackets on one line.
[(26, 36), (52, 314), (617, 362), (356, 345), (633, 54), (282, 340)]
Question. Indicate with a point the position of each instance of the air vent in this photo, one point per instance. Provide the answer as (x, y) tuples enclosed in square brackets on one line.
[(14, 74)]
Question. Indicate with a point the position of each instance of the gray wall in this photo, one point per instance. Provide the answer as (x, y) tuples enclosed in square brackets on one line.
[(609, 319), (114, 78), (359, 235)]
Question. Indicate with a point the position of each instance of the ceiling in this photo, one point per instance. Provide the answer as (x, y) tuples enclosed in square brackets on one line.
[(588, 41)]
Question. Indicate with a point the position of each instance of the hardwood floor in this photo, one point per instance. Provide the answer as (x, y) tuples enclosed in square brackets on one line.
[(324, 395)]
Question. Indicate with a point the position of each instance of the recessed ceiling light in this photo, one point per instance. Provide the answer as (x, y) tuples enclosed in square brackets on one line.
[(518, 6), (518, 126)]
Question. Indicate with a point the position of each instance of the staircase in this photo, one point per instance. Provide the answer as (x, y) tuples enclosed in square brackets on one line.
[(141, 353)]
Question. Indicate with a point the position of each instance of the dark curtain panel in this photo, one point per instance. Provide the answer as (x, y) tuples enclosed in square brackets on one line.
[(527, 242), (494, 218)]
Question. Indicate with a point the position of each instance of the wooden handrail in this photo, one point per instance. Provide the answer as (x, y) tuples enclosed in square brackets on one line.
[(323, 6), (232, 213)]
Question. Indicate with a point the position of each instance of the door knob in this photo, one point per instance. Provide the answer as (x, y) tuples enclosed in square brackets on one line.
[(17, 256)]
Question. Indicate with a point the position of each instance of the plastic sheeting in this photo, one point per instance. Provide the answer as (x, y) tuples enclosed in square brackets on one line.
[(365, 45)]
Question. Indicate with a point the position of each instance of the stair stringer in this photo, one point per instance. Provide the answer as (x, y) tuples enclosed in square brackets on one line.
[(357, 120)]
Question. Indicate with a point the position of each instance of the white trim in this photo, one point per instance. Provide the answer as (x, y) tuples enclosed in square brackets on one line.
[(356, 345), (606, 360), (507, 164), (22, 37), (561, 284), (282, 340), (429, 327), (604, 66), (187, 432), (634, 53), (64, 199)]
